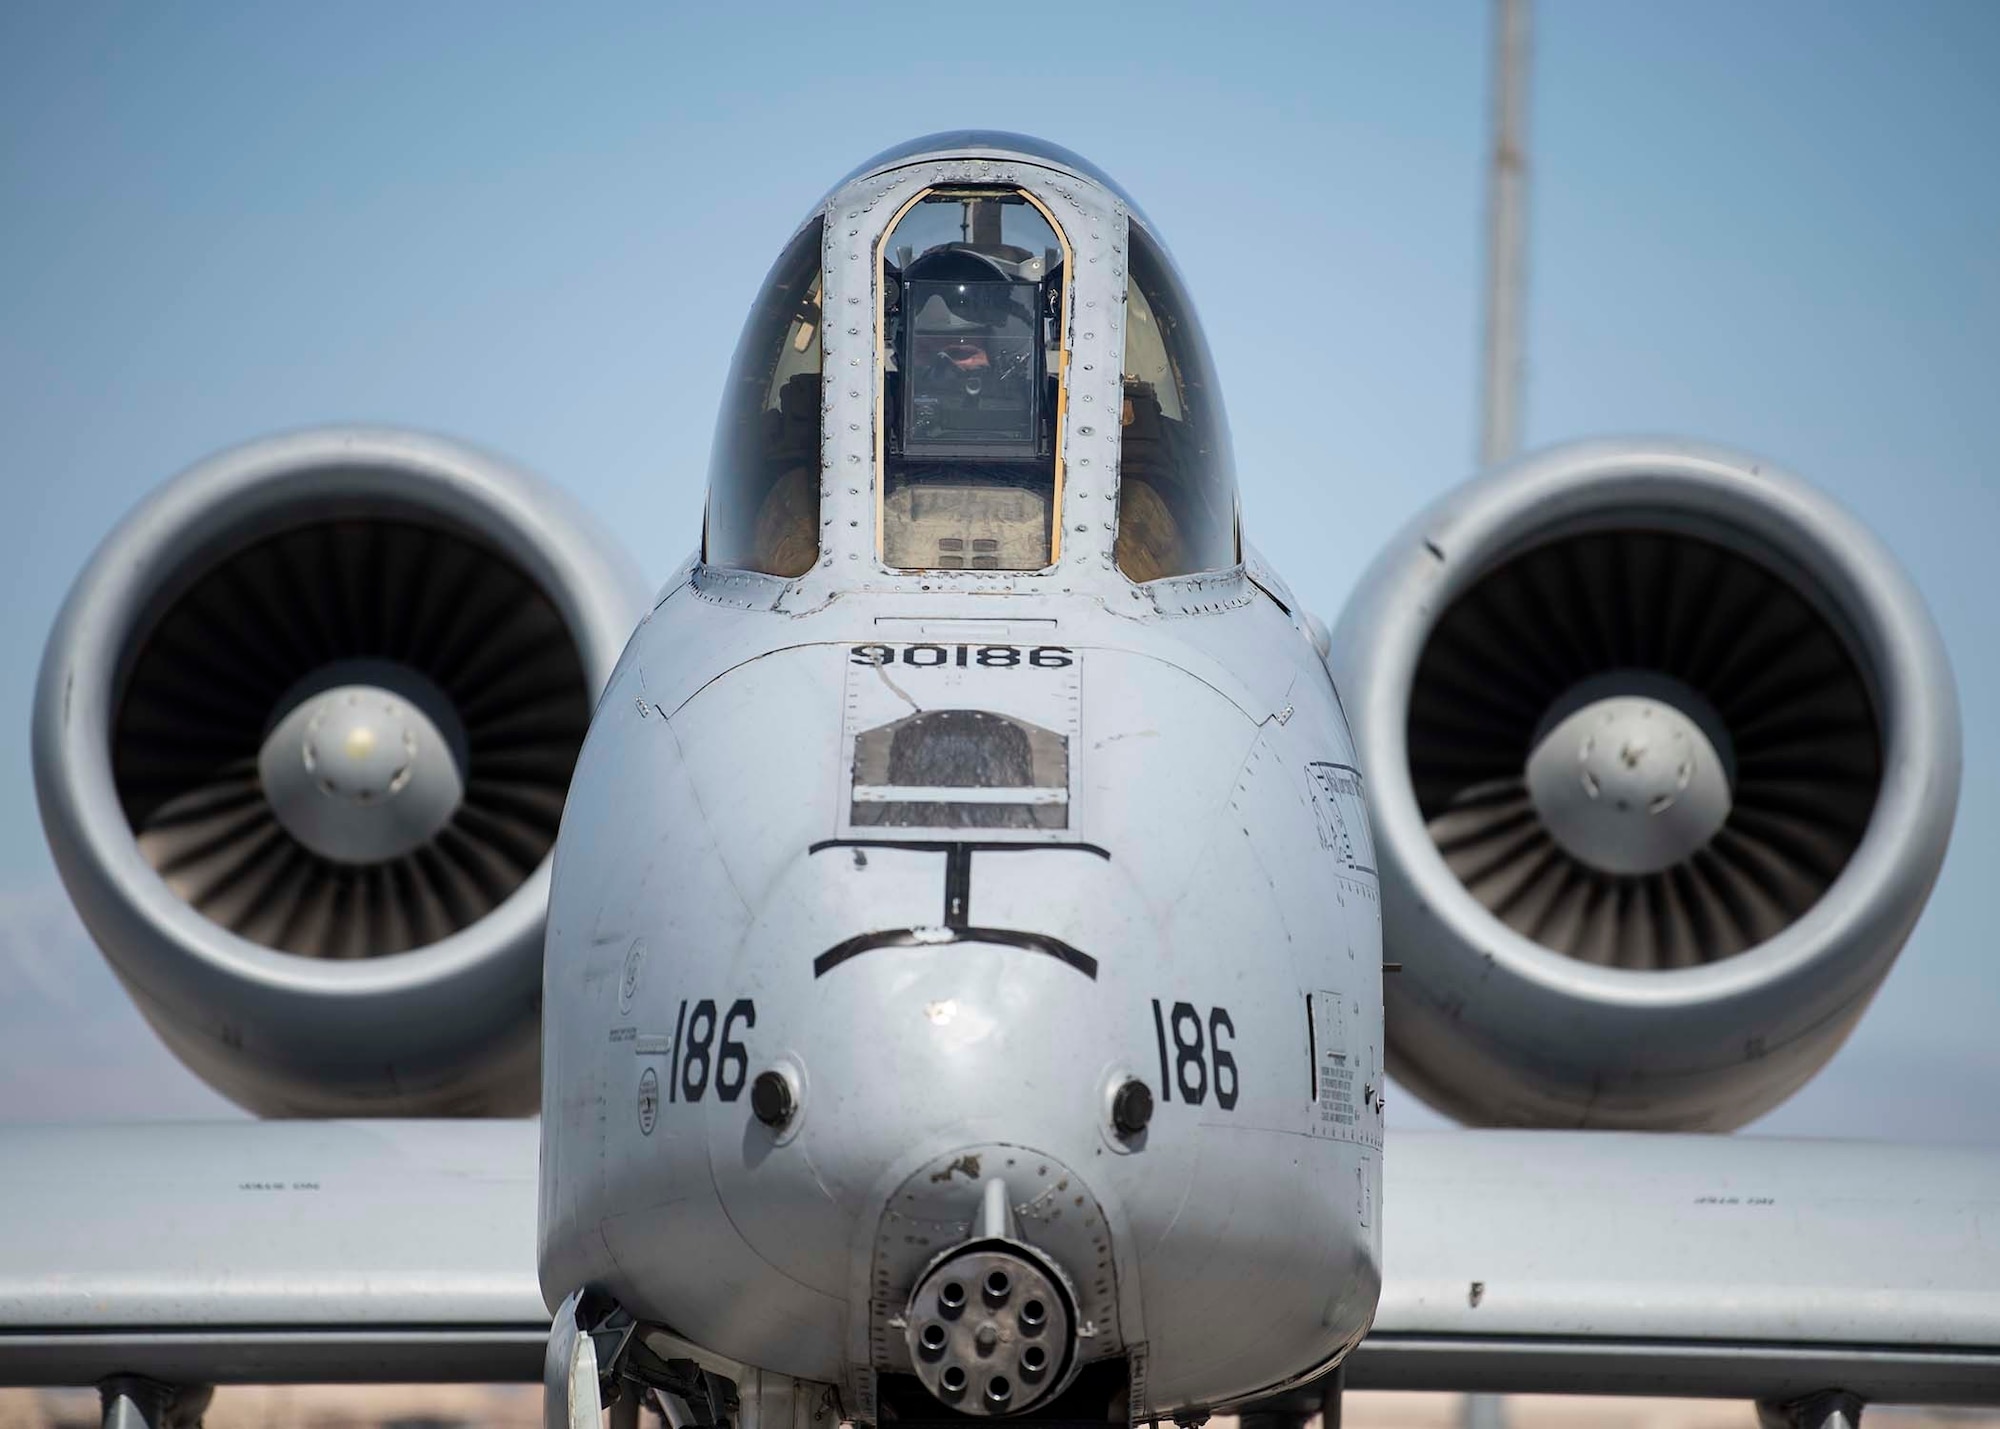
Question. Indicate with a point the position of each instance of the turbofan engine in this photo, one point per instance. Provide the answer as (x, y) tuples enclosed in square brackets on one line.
[(302, 737), (1663, 756)]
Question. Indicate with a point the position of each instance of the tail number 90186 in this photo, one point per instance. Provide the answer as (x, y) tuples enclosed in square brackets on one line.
[(984, 657)]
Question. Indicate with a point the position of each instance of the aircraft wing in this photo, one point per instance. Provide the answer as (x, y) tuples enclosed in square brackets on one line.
[(270, 1252), (1516, 1261), (1726, 1266)]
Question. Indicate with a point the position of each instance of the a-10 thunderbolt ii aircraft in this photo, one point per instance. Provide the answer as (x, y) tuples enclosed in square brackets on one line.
[(964, 988)]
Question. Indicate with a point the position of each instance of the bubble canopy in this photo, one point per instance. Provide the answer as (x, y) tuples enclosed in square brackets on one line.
[(978, 329), (764, 466), (994, 143)]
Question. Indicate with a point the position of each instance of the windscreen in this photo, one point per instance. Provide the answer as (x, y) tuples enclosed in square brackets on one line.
[(971, 381), (763, 473), (1177, 478)]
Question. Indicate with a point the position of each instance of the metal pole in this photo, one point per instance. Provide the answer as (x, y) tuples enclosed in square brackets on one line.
[(1829, 1409), (132, 1401), (1500, 414), (1330, 1393), (1483, 1411), (1506, 235)]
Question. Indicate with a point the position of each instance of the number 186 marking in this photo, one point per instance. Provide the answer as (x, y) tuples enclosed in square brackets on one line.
[(688, 1078), (1193, 1056)]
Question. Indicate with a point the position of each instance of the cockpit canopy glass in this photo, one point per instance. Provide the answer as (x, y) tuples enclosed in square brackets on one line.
[(971, 382), (1177, 477), (764, 468)]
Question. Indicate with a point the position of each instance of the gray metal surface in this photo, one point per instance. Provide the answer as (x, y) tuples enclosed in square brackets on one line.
[(449, 1025), (989, 1333), (1493, 1026), (1503, 356), (571, 1376), (1690, 1369), (359, 775), (1629, 1263), (136, 1402), (360, 1224), (958, 998), (273, 1251), (303, 1354), (1629, 784), (1728, 1266)]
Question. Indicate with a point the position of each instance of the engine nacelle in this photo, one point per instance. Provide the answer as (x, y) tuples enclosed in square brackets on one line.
[(1663, 756), (302, 737)]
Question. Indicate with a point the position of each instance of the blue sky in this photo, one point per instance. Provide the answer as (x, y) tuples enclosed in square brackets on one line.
[(1772, 226)]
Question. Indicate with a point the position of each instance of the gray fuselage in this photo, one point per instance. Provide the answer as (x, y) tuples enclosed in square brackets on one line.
[(1214, 859), (954, 855)]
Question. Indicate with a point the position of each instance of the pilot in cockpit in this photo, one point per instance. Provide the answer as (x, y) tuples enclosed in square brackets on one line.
[(971, 367)]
